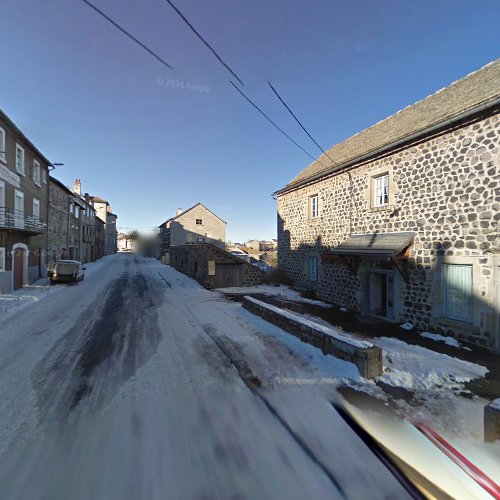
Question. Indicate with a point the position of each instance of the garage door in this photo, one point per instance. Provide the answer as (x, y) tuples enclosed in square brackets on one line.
[(227, 275)]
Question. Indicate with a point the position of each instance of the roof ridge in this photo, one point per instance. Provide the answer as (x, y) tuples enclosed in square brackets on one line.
[(473, 97)]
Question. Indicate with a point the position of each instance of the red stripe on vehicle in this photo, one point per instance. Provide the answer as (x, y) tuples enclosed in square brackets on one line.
[(474, 472)]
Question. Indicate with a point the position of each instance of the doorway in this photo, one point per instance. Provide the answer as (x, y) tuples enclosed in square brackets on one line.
[(18, 258), (381, 294)]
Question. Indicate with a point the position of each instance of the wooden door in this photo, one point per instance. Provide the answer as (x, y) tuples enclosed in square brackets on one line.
[(18, 268), (228, 275)]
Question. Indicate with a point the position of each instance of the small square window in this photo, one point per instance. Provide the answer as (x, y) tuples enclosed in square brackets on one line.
[(20, 159), (313, 206), (199, 222), (381, 190), (312, 269)]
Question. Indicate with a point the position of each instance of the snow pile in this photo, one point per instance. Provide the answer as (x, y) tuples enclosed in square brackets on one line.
[(446, 340), (281, 291), (415, 367), (406, 326), (332, 332)]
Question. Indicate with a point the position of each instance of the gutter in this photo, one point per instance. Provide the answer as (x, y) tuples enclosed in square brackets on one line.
[(391, 145)]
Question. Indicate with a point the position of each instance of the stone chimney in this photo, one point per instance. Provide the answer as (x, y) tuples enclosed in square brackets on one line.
[(179, 212), (77, 187)]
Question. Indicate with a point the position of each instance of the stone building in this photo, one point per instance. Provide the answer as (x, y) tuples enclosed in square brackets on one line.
[(99, 237), (195, 225), (87, 224), (213, 267), (23, 208), (71, 223), (401, 221), (104, 212)]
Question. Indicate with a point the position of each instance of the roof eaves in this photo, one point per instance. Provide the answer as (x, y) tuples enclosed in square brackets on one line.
[(404, 139)]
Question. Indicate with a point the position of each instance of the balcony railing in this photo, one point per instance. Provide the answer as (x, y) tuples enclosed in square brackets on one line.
[(18, 220)]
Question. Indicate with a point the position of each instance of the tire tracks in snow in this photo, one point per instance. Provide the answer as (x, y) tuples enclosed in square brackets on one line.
[(253, 383)]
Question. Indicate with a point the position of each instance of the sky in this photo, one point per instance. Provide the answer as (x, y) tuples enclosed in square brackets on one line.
[(151, 140)]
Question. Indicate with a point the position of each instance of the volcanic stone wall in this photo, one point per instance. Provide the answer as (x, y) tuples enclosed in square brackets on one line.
[(445, 189)]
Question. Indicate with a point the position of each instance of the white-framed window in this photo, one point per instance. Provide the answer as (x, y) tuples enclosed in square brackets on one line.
[(2, 144), (2, 202), (2, 196), (19, 208), (199, 222), (381, 190), (44, 175), (77, 211), (2, 259), (313, 206), (71, 208), (312, 269), (20, 159), (36, 209), (36, 173), (458, 292)]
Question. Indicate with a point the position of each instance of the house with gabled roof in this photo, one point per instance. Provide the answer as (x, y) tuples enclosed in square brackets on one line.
[(197, 224), (401, 221)]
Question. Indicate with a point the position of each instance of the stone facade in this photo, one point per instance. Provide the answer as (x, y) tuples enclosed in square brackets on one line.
[(444, 187), (23, 208), (72, 232), (213, 267), (100, 237)]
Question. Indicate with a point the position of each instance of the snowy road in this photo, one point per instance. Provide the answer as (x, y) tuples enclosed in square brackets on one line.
[(138, 383)]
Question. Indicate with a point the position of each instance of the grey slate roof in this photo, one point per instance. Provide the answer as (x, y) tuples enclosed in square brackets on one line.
[(479, 87), (374, 244), (188, 210)]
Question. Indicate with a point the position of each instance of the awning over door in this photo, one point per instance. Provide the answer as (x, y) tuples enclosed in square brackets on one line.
[(383, 246)]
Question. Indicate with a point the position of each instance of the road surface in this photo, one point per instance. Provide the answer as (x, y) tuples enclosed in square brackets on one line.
[(138, 383)]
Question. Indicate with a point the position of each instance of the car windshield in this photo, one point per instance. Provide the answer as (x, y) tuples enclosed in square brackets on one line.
[(249, 249)]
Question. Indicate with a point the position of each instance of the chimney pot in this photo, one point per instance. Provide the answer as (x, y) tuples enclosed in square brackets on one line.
[(179, 212)]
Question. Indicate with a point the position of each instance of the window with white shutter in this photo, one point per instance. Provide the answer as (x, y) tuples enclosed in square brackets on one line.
[(458, 291)]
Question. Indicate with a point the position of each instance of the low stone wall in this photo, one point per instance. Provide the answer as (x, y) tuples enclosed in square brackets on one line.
[(367, 357)]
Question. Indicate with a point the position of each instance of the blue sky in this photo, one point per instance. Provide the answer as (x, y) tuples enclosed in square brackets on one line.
[(87, 96)]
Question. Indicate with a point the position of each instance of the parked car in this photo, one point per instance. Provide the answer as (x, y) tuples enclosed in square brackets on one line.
[(66, 271)]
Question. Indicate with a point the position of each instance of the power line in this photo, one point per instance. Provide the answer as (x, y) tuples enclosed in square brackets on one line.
[(193, 29), (125, 32), (271, 121), (298, 121)]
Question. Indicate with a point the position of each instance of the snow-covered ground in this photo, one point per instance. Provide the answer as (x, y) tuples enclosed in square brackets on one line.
[(140, 372), (432, 383), (451, 341), (135, 384), (14, 302)]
